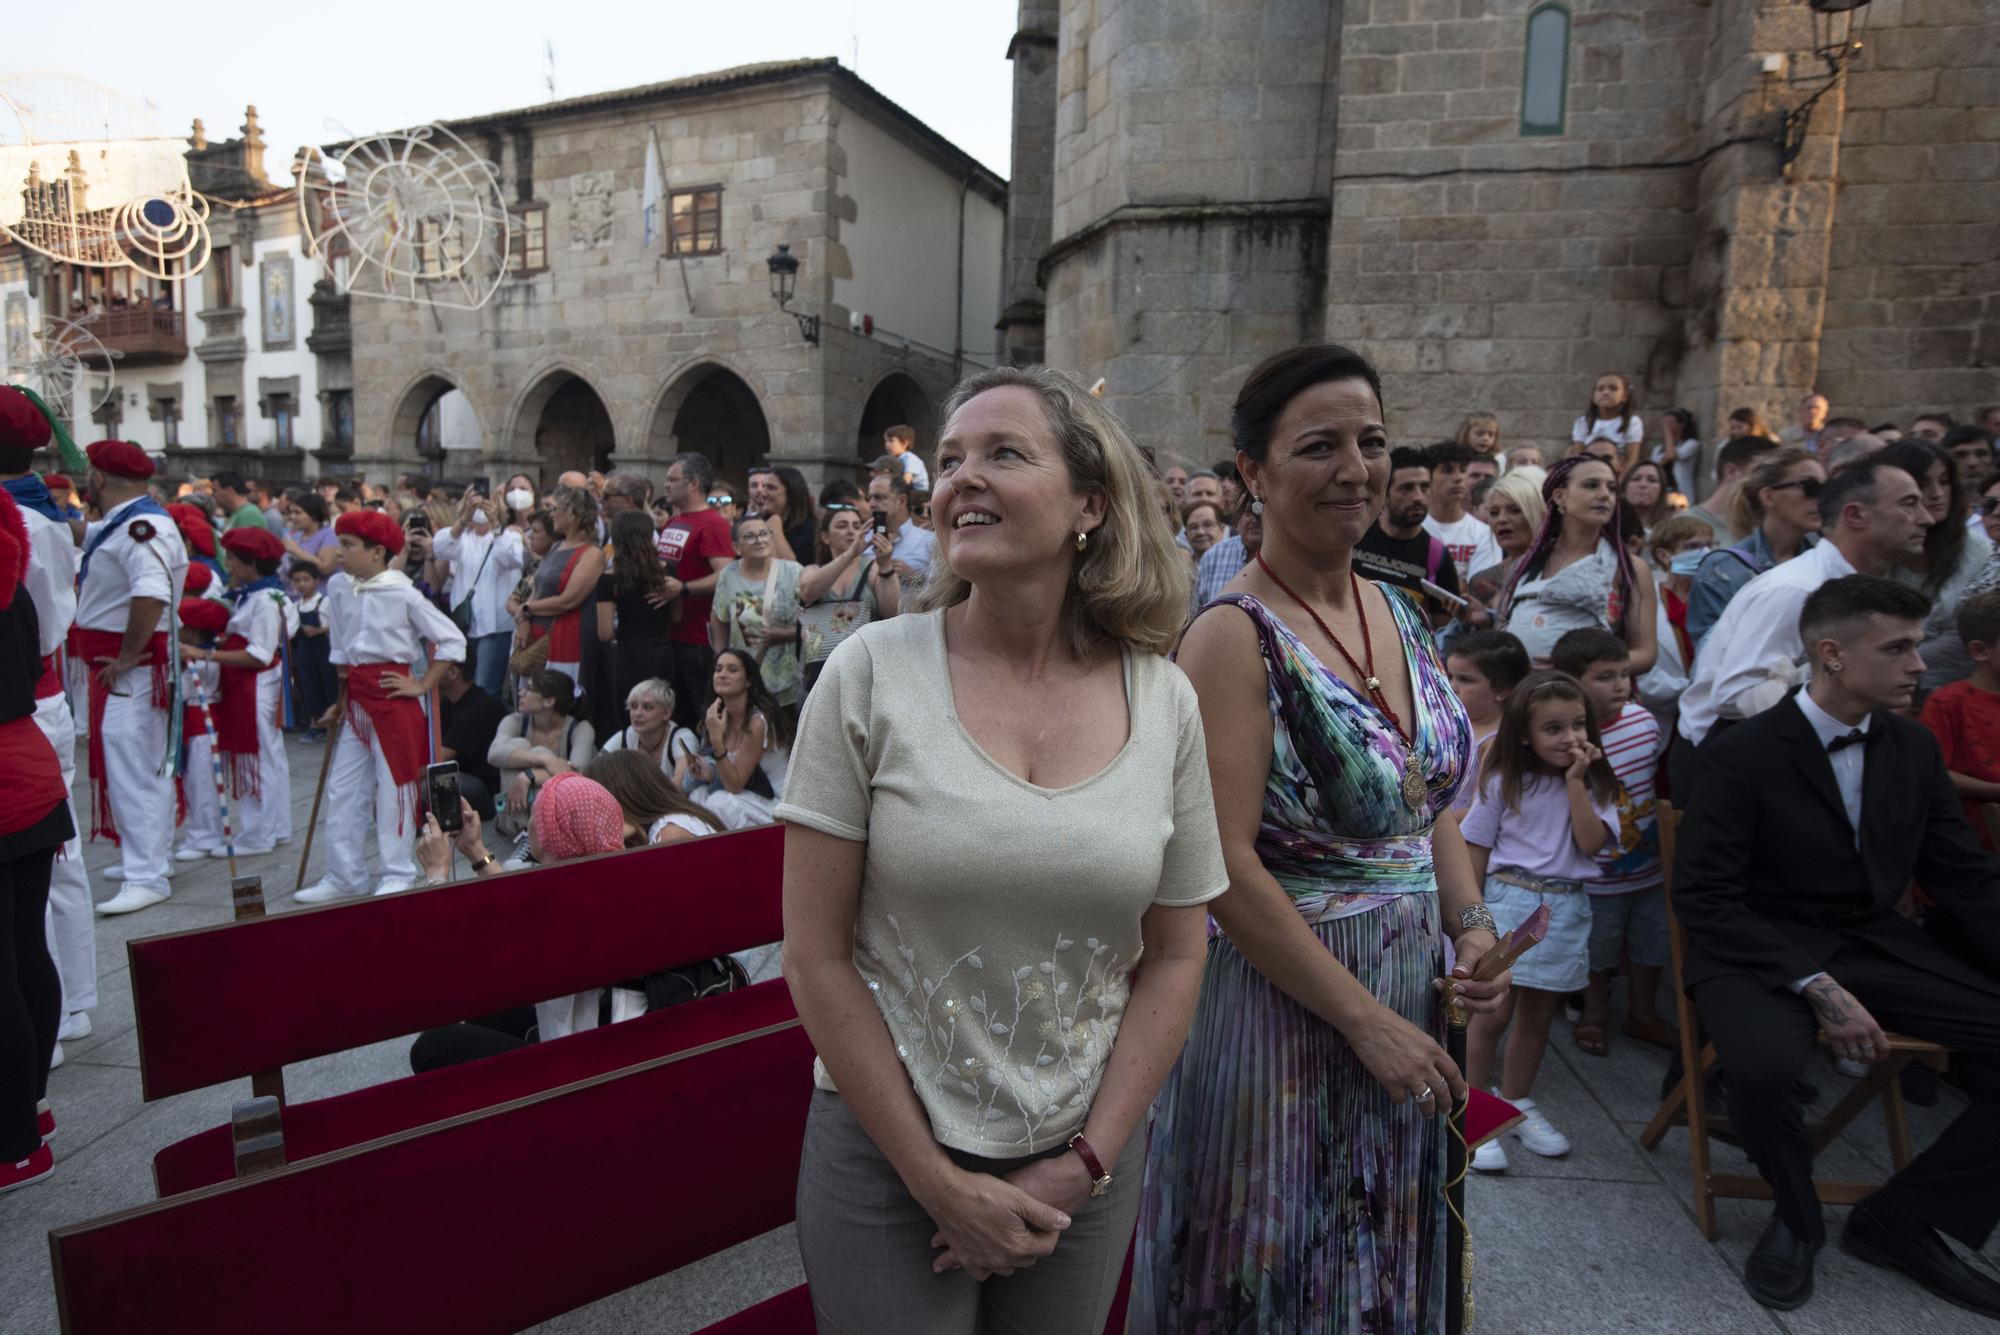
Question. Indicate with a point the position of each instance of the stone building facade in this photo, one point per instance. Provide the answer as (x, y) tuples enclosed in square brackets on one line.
[(1496, 226), (624, 341)]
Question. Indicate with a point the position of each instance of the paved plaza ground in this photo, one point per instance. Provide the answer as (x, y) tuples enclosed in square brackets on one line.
[(1601, 1241)]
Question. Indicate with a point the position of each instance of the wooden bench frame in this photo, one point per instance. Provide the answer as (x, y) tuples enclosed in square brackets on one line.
[(1687, 1104)]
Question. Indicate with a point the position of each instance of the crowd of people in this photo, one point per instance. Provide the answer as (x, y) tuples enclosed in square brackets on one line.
[(1422, 694)]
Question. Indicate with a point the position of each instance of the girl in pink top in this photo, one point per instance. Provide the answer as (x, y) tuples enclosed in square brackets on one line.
[(1547, 803)]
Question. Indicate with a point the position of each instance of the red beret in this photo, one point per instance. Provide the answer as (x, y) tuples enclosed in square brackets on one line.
[(58, 482), (254, 544), (371, 526), (22, 425), (199, 577), (204, 614), (120, 458), (194, 526)]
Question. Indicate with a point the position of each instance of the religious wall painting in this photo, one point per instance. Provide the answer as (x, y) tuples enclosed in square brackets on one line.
[(274, 301)]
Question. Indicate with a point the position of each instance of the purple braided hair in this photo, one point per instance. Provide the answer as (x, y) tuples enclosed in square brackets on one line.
[(1537, 554)]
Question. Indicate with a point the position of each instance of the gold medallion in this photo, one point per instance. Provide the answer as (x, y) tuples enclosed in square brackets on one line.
[(1415, 791)]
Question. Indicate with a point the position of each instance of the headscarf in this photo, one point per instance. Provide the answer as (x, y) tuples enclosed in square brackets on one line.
[(574, 817)]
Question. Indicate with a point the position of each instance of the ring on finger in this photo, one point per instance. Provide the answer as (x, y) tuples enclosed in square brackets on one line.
[(1425, 1095)]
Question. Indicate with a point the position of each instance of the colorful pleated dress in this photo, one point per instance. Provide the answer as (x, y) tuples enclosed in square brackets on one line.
[(1286, 1190)]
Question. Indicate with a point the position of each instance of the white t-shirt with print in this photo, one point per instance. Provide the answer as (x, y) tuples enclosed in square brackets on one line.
[(1469, 543)]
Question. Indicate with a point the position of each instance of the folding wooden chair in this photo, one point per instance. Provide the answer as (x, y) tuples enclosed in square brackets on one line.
[(1686, 1105)]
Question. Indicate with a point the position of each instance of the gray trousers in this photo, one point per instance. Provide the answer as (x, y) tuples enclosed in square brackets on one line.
[(866, 1246)]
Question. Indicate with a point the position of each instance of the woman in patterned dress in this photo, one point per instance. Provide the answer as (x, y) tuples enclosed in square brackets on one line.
[(1294, 1179)]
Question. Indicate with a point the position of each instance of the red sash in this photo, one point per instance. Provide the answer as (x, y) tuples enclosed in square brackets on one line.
[(566, 631), (396, 722), (89, 646), (50, 682), (236, 722)]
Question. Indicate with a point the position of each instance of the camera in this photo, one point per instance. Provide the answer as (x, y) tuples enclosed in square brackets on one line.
[(441, 791)]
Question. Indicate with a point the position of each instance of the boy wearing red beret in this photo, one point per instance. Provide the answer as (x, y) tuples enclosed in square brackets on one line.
[(250, 721), (379, 625)]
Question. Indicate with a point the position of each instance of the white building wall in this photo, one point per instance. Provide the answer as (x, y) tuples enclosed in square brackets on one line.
[(901, 242), (277, 363)]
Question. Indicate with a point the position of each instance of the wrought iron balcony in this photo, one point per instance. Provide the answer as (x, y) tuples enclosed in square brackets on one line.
[(138, 334)]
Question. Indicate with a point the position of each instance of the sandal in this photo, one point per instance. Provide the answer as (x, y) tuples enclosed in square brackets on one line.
[(1655, 1031), (1590, 1037)]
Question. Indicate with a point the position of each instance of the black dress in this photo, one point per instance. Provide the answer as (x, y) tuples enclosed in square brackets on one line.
[(641, 645)]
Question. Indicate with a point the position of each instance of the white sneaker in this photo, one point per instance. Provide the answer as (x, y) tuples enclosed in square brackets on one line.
[(1850, 1068), (1489, 1158), (188, 853), (57, 1058), (393, 887), (325, 892), (74, 1025), (130, 900), (242, 851), (1537, 1136)]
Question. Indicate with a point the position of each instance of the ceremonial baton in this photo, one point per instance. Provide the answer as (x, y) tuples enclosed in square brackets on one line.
[(319, 792), (1457, 1240)]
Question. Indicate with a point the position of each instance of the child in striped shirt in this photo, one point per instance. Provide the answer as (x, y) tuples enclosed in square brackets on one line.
[(1628, 899)]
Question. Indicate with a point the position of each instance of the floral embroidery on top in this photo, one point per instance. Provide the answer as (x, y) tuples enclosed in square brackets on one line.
[(1050, 1018)]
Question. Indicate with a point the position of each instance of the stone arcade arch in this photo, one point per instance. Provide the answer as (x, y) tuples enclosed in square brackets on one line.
[(897, 400), (435, 416), (562, 424), (709, 410)]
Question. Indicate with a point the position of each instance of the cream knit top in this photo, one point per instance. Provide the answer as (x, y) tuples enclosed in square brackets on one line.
[(999, 921)]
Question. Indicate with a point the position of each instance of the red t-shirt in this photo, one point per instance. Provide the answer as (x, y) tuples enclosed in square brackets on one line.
[(1966, 722), (686, 544)]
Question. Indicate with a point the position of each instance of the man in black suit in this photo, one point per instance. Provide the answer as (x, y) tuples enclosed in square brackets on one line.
[(1804, 827)]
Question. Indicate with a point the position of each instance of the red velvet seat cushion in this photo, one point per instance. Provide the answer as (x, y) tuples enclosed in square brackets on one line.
[(221, 1003), (790, 1313), (322, 1125)]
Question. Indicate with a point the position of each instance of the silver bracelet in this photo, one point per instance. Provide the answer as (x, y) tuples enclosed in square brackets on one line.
[(1477, 915)]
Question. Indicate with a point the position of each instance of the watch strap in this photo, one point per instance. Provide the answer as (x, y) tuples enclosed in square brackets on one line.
[(1098, 1176)]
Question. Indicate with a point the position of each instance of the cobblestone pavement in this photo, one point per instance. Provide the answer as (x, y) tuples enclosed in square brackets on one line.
[(1602, 1240)]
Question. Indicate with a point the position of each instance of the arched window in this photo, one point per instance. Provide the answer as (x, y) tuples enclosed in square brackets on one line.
[(1545, 71)]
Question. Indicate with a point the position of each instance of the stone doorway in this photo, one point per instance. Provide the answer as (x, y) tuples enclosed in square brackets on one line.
[(710, 411), (564, 425), (897, 400)]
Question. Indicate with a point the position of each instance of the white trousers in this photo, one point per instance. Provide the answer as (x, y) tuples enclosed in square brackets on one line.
[(203, 827), (265, 817), (142, 801), (358, 787), (72, 922)]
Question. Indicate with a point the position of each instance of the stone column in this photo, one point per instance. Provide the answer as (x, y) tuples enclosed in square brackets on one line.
[(1031, 181), (1764, 227)]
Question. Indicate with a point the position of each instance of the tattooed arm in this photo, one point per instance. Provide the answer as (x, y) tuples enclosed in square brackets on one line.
[(1850, 1030)]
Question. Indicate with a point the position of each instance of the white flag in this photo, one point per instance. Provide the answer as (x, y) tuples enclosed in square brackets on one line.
[(653, 200)]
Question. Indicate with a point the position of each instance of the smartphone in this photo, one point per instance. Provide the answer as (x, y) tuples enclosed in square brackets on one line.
[(880, 519), (441, 787)]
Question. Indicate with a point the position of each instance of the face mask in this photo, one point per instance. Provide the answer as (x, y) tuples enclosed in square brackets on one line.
[(1687, 563), (480, 519), (520, 498)]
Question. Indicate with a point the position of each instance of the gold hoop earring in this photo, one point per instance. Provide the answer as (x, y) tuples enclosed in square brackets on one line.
[(1081, 539)]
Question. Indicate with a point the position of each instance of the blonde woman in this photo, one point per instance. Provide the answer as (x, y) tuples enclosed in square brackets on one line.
[(977, 853), (1514, 511)]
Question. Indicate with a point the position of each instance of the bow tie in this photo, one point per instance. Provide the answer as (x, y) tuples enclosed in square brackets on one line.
[(1854, 738)]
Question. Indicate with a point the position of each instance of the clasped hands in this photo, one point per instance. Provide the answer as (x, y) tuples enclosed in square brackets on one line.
[(989, 1225)]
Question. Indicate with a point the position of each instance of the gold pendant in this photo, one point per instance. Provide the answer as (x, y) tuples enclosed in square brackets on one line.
[(1415, 790)]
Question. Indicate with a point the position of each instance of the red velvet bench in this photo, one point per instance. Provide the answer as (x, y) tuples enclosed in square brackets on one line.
[(488, 1221), (244, 999)]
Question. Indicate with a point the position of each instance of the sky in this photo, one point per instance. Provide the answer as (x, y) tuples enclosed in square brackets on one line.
[(319, 72)]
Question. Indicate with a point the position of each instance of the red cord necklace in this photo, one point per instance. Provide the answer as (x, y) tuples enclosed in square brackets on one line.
[(1415, 790)]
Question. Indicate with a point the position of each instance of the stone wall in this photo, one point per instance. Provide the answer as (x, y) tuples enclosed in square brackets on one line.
[(1527, 265), (1913, 290)]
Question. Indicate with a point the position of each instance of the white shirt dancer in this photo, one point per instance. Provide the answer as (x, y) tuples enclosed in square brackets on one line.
[(251, 725), (379, 625), (134, 566)]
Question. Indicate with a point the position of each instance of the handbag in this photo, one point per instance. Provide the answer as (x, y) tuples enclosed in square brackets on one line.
[(461, 614), (824, 624), (530, 657)]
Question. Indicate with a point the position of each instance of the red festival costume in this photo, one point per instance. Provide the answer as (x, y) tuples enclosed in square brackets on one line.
[(394, 723), (87, 647)]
